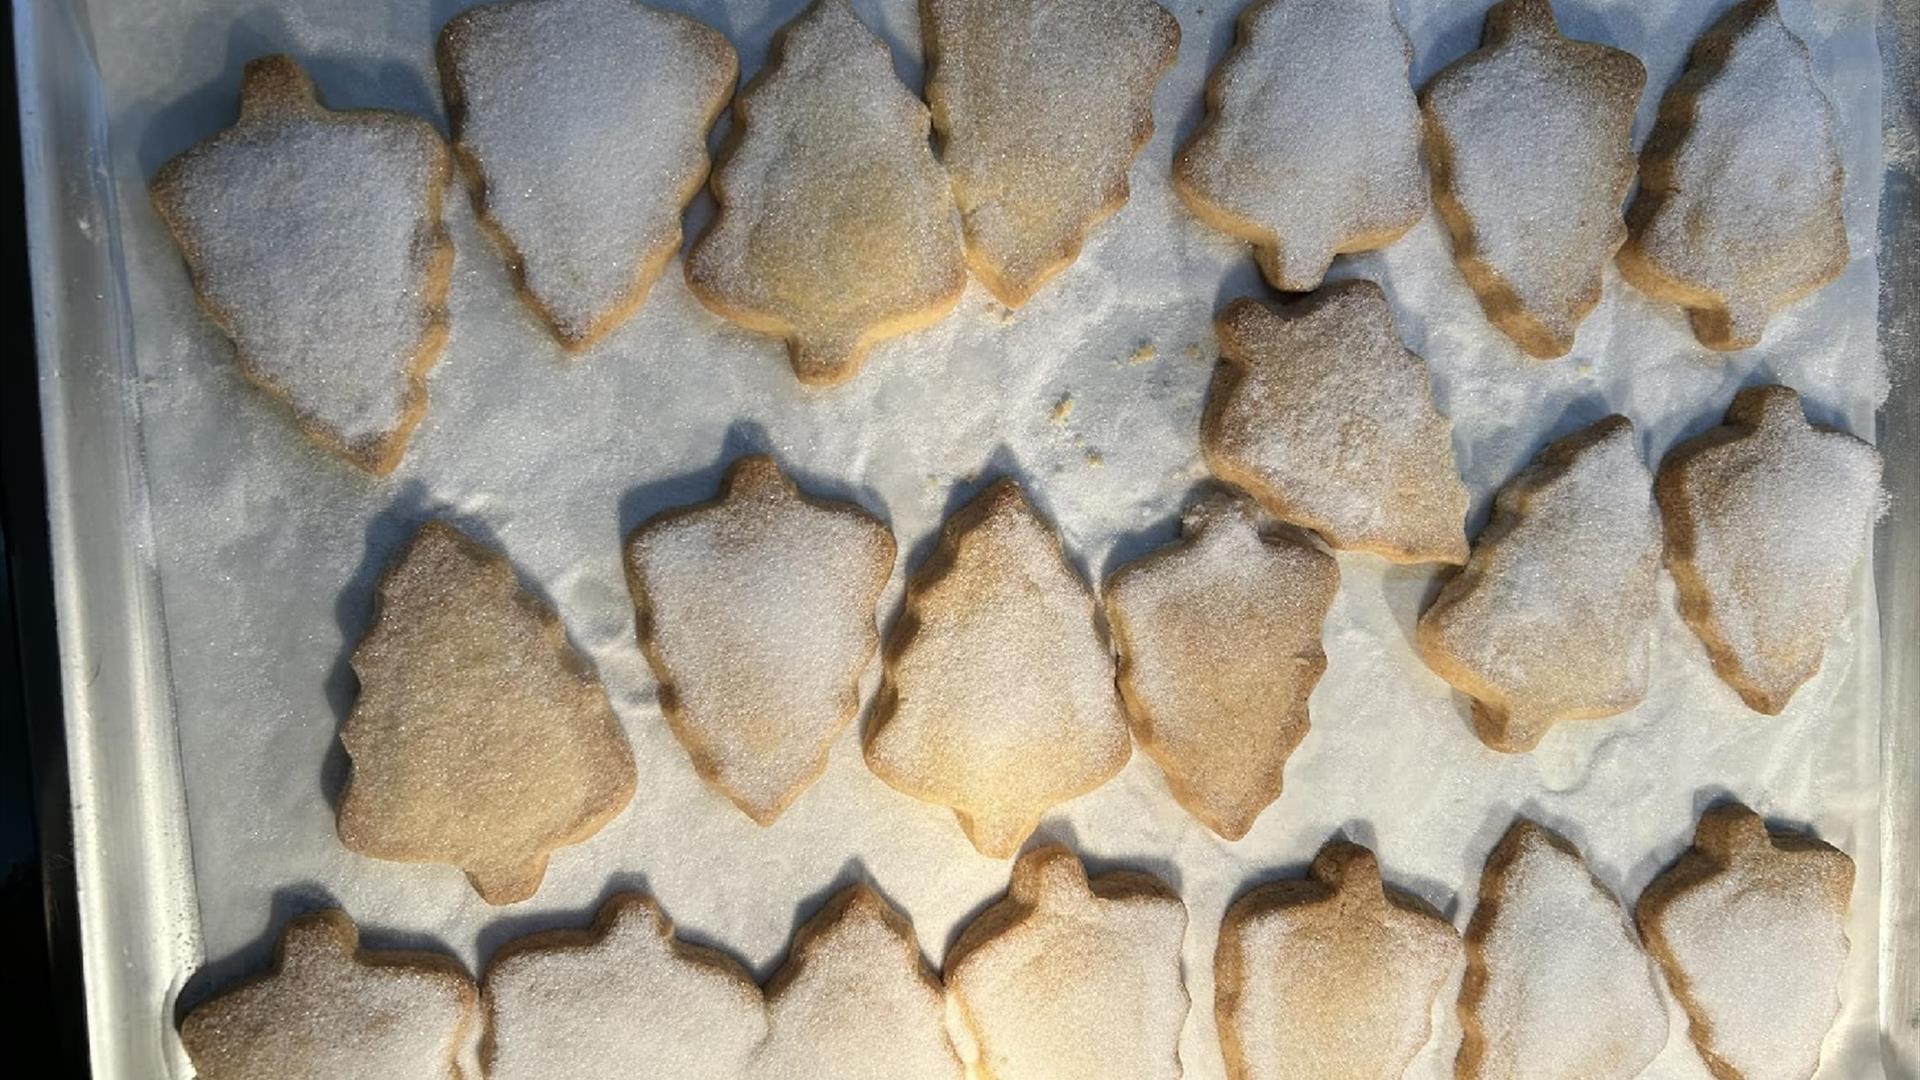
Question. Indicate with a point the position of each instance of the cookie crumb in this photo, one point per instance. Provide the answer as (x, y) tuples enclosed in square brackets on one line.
[(1063, 408), (1143, 354)]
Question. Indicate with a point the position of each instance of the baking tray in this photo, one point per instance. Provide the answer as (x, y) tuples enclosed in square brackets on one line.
[(140, 919), (132, 871)]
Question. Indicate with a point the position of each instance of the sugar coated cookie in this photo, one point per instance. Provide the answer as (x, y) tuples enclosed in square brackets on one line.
[(1070, 979), (480, 737), (835, 226), (1041, 106), (1551, 618), (1311, 143), (1739, 210), (1530, 141), (1219, 645), (1751, 927), (329, 1010), (1557, 987), (998, 697), (582, 125), (856, 1002), (756, 612), (1332, 976), (623, 999), (1321, 414), (1767, 518), (315, 243)]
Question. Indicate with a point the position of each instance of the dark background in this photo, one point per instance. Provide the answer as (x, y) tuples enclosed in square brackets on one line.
[(40, 986)]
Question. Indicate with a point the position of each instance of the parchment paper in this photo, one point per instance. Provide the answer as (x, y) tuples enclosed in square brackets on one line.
[(268, 548)]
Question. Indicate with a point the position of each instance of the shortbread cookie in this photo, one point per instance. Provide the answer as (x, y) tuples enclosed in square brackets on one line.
[(315, 243), (1070, 979), (1556, 985), (1219, 645), (756, 613), (835, 226), (998, 698), (1551, 618), (329, 1010), (1041, 106), (582, 126), (1321, 414), (856, 1002), (480, 737), (623, 999), (1530, 141), (1767, 518), (1311, 143), (1751, 928), (1331, 977), (1739, 211)]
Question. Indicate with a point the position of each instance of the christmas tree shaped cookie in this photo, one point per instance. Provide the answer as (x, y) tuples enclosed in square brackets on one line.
[(621, 1000), (1739, 210), (998, 696), (1529, 138), (583, 126), (1556, 987), (1333, 976), (855, 1001), (1041, 106), (1767, 518), (1070, 979), (1219, 644), (1751, 927), (1550, 619), (480, 737), (836, 223), (1321, 414), (315, 243), (1311, 144), (329, 1010), (756, 612)]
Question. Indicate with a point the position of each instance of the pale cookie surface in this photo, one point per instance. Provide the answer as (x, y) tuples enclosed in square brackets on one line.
[(621, 1000), (856, 1002), (583, 127), (480, 737), (328, 1010), (1739, 209), (835, 226), (1041, 106), (757, 615), (1219, 645), (1311, 143), (315, 243), (1751, 929), (1767, 518), (998, 698), (1530, 141), (1067, 979), (1332, 976), (1551, 618), (1321, 414), (1557, 987)]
